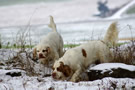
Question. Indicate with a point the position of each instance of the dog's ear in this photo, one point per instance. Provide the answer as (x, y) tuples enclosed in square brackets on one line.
[(48, 49), (34, 53), (65, 69)]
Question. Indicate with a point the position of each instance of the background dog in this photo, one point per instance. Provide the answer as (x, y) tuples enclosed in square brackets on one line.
[(51, 46), (77, 59)]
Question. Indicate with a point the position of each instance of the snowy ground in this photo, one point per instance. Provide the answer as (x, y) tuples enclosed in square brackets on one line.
[(25, 82), (37, 83), (92, 28), (41, 82)]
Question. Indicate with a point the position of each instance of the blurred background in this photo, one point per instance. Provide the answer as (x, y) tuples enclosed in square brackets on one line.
[(77, 20)]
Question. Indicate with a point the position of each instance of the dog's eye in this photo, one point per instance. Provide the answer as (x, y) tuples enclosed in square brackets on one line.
[(37, 50), (58, 69), (44, 50)]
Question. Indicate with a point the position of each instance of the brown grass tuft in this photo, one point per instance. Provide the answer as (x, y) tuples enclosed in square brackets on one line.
[(125, 54)]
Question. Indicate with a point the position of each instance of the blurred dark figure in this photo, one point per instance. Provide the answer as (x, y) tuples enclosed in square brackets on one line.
[(103, 9)]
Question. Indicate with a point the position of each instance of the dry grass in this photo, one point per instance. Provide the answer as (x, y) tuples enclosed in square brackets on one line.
[(21, 57), (125, 54), (123, 39)]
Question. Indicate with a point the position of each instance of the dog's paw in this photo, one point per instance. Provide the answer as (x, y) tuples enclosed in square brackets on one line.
[(74, 80)]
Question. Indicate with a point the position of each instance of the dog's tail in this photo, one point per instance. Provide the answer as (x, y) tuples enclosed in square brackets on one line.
[(52, 24), (111, 36)]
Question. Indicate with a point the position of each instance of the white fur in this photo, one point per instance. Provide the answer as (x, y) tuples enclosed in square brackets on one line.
[(95, 50), (52, 42)]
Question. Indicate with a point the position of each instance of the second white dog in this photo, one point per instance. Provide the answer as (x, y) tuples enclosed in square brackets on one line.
[(51, 46)]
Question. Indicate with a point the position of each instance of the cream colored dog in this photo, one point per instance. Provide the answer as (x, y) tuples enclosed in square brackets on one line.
[(77, 59), (51, 46)]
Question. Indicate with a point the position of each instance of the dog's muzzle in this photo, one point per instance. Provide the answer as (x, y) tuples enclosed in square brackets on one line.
[(41, 56)]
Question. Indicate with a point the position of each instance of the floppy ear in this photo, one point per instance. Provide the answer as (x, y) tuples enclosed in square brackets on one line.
[(48, 49), (66, 69), (35, 53)]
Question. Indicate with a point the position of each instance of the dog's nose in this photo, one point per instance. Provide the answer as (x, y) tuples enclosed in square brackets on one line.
[(53, 75), (41, 55)]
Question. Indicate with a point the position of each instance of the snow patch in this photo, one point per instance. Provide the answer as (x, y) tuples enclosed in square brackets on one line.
[(109, 66)]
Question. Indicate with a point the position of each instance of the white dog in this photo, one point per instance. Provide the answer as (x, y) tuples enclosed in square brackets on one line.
[(77, 59), (51, 46)]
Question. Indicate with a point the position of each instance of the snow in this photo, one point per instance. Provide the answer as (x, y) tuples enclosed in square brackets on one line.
[(127, 44), (109, 66), (118, 14), (74, 27), (2, 71), (3, 53), (63, 12), (25, 82), (71, 33), (33, 83)]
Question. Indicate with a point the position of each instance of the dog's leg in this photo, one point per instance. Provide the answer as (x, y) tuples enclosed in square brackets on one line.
[(104, 56), (61, 52), (56, 56), (76, 75)]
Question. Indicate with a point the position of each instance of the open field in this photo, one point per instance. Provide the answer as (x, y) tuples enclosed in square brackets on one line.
[(24, 22)]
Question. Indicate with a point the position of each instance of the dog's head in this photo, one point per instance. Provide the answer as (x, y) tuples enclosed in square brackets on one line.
[(42, 52), (61, 71)]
